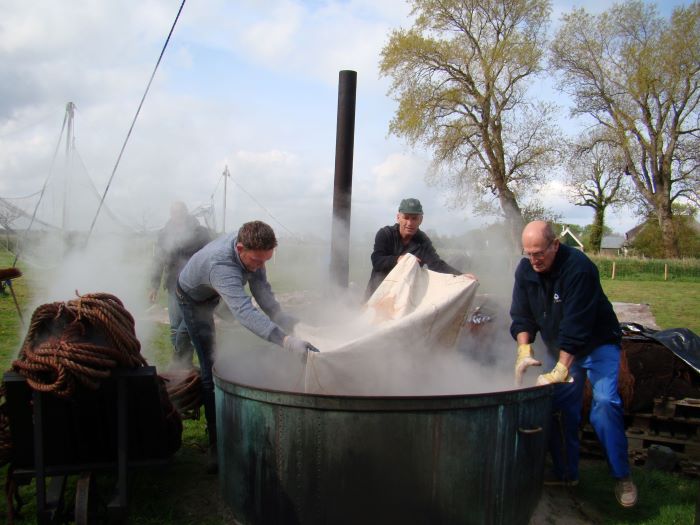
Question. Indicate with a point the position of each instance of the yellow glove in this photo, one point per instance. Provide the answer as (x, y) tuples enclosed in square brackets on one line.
[(559, 374), (524, 360)]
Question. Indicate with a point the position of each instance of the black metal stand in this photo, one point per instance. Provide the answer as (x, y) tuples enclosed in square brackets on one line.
[(54, 438)]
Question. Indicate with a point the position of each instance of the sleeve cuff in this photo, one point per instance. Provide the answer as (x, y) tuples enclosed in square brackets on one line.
[(277, 336)]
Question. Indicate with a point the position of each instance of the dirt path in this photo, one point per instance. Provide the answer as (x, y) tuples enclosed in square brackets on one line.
[(635, 313), (559, 506)]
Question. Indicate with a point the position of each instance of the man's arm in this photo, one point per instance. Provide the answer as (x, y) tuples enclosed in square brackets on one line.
[(262, 291), (428, 256), (383, 255), (566, 358), (157, 267), (522, 318), (227, 280)]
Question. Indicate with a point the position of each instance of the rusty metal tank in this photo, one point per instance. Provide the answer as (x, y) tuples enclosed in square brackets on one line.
[(292, 458)]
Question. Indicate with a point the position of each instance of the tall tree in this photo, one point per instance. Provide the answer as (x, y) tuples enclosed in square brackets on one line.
[(596, 178), (647, 240), (460, 75), (638, 76)]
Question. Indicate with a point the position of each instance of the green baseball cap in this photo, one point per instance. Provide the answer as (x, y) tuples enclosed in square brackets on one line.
[(411, 206)]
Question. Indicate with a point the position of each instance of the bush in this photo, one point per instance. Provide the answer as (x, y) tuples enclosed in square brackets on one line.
[(648, 240)]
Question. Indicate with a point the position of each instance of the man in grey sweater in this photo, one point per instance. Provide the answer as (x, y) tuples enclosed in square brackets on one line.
[(221, 270)]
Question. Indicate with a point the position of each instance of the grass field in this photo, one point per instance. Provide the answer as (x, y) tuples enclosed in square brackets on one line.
[(674, 304), (182, 494)]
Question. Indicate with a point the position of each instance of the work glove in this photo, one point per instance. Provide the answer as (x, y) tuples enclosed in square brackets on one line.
[(298, 346), (559, 374), (524, 360)]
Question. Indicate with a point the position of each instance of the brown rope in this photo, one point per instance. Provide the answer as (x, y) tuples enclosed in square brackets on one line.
[(78, 342), (55, 355), (184, 390)]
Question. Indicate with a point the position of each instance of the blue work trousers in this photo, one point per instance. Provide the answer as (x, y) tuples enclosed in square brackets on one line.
[(199, 319), (601, 367), (179, 337)]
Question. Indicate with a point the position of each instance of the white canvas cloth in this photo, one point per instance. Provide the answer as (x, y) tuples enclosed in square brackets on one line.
[(413, 309)]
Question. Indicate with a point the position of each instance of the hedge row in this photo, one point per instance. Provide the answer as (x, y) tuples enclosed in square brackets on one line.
[(643, 269)]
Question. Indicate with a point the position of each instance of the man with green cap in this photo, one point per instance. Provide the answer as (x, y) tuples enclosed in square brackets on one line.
[(393, 242)]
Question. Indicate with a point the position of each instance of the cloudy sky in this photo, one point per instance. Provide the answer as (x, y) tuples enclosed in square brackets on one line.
[(250, 84)]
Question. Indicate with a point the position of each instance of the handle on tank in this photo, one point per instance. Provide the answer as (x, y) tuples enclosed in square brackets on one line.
[(534, 430)]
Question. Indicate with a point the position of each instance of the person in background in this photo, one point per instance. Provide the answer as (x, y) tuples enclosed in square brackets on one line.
[(222, 269), (391, 243), (557, 292), (181, 236)]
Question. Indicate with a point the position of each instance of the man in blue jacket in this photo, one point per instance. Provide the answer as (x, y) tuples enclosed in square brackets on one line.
[(557, 293), (222, 269)]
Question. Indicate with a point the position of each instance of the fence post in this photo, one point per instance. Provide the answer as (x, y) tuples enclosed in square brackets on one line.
[(613, 271), (666, 272)]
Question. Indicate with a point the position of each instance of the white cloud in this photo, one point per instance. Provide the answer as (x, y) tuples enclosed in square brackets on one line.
[(250, 84), (270, 39)]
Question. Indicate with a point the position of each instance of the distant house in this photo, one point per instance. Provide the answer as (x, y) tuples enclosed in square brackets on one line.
[(567, 237), (613, 245)]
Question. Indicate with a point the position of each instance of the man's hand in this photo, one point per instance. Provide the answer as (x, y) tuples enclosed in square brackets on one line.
[(153, 295), (559, 374), (297, 346), (524, 360)]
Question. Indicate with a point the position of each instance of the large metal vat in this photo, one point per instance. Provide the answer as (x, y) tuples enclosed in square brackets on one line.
[(290, 458)]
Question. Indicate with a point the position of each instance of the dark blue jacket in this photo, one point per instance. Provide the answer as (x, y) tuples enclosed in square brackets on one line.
[(388, 247), (566, 305), (175, 245)]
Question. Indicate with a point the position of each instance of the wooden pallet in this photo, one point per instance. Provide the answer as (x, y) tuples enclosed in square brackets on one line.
[(673, 423)]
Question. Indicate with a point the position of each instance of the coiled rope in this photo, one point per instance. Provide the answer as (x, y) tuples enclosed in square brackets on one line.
[(78, 341), (74, 343), (184, 389)]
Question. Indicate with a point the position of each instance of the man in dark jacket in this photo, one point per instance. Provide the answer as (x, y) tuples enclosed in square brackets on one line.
[(181, 237), (557, 293), (393, 242)]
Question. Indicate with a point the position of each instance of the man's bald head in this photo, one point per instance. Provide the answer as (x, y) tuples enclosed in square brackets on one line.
[(540, 245), (538, 230)]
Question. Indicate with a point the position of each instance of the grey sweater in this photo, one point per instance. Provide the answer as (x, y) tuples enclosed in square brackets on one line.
[(217, 269)]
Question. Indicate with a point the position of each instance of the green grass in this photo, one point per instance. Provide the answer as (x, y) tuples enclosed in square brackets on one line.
[(181, 494), (674, 304), (664, 499)]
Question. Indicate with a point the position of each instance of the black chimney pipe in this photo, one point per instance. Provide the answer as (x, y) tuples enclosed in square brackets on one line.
[(342, 188)]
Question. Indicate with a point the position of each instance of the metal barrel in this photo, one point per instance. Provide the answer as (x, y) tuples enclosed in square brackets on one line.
[(321, 459)]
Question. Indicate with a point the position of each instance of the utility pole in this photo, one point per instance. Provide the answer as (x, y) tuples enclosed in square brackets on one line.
[(70, 144), (226, 174)]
